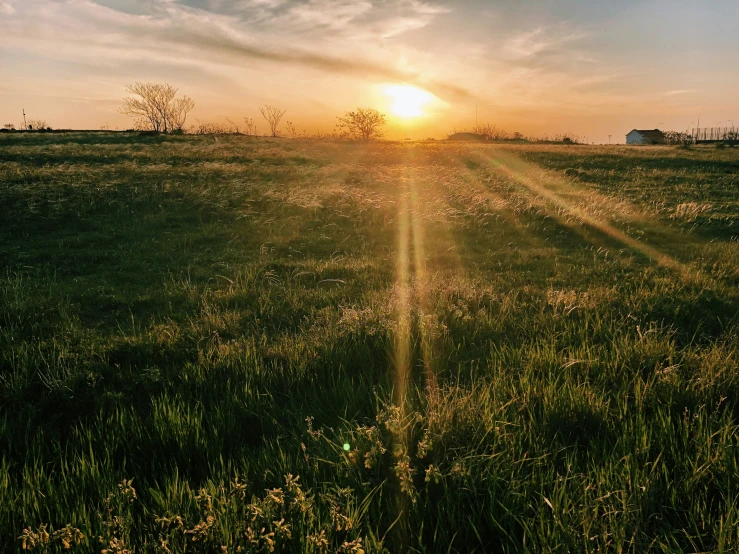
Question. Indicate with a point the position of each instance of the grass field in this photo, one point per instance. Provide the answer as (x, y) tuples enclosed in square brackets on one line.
[(336, 347)]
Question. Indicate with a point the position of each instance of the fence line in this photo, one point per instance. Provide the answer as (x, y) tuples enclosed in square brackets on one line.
[(715, 133)]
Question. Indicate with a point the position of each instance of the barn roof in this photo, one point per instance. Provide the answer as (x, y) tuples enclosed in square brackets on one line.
[(649, 133)]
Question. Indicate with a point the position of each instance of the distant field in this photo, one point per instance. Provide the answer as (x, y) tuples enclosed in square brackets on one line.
[(336, 346)]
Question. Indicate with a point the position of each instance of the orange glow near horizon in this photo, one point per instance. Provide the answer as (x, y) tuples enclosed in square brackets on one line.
[(433, 67)]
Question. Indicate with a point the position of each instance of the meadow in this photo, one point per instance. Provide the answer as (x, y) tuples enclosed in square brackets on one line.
[(258, 345)]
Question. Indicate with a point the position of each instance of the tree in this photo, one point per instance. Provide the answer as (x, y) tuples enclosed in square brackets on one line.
[(365, 123), (490, 131), (678, 138), (177, 113), (234, 127), (157, 107), (273, 116), (37, 124)]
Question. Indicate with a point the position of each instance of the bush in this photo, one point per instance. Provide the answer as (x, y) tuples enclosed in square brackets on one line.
[(678, 138)]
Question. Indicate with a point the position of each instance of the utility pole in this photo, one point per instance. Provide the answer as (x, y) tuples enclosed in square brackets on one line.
[(25, 125), (475, 117), (609, 140)]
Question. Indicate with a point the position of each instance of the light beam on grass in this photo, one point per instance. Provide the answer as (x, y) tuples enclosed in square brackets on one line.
[(403, 316), (522, 172), (421, 280), (402, 340)]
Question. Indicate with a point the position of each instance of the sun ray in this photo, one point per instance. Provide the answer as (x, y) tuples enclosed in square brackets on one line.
[(526, 175), (403, 315)]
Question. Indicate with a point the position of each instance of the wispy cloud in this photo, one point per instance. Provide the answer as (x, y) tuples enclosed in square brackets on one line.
[(540, 41), (288, 33), (681, 91), (6, 8)]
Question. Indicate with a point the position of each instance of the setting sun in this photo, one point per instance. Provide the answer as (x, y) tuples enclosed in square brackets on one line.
[(407, 101)]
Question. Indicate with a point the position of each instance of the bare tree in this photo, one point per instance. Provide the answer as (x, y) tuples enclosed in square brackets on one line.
[(365, 123), (490, 131), (9, 127), (678, 138), (157, 107), (291, 130), (205, 128), (273, 116), (251, 127), (234, 127), (37, 124), (177, 113)]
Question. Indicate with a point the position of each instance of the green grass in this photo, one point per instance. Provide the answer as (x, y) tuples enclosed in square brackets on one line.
[(525, 348)]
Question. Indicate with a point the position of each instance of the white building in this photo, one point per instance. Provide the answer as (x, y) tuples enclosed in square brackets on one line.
[(647, 136)]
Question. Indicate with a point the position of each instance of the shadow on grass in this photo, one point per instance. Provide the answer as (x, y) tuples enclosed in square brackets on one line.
[(86, 138)]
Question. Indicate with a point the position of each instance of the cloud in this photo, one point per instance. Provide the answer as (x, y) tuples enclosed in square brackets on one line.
[(6, 8), (288, 35), (333, 15), (541, 45), (681, 91)]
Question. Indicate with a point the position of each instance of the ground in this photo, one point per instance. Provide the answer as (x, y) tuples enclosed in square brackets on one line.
[(345, 346)]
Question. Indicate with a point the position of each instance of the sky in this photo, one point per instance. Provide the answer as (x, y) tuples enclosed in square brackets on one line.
[(539, 67)]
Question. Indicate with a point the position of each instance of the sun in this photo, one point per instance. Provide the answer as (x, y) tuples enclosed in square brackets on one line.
[(407, 101)]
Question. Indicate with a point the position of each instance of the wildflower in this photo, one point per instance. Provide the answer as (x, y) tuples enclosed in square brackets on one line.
[(238, 489), (404, 473), (276, 496), (282, 529), (433, 474), (30, 538), (295, 495), (268, 538), (353, 547), (424, 447), (69, 536), (339, 520), (319, 541), (127, 491), (204, 500)]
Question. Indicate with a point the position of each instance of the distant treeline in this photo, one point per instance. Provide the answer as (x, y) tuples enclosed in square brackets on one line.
[(489, 131)]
